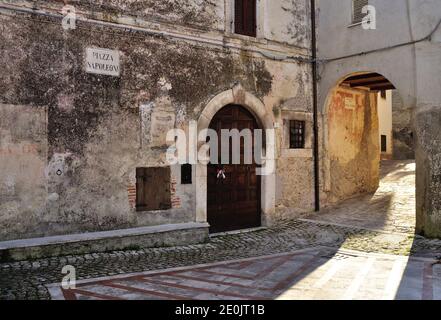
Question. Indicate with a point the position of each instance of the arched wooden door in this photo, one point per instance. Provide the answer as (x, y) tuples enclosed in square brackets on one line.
[(233, 201)]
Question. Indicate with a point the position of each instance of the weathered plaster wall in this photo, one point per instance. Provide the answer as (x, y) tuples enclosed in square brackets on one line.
[(100, 128), (282, 21), (292, 24), (23, 154), (291, 99), (196, 13), (352, 158), (402, 128)]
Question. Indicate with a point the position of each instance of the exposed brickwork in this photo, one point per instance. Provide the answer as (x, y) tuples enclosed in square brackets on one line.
[(131, 191), (175, 199)]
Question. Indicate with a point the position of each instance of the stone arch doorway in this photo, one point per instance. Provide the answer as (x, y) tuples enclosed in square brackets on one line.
[(351, 162), (236, 96), (233, 190)]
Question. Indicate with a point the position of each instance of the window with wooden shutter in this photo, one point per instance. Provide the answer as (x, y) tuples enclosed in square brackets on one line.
[(245, 17), (357, 7), (153, 189)]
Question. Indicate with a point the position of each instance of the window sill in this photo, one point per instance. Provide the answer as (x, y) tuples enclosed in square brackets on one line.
[(353, 25), (146, 210), (297, 153), (236, 36), (245, 35)]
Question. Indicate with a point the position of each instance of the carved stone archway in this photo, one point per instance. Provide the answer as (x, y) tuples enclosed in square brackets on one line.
[(237, 95)]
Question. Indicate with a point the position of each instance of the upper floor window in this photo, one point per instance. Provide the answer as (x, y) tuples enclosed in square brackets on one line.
[(357, 10), (245, 17)]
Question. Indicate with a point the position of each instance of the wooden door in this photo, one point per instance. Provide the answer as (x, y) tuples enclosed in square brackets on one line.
[(234, 202)]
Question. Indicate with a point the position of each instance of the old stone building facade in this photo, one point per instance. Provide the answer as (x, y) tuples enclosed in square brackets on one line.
[(72, 141), (84, 151)]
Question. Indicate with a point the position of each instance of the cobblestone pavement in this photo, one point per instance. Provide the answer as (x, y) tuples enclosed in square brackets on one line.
[(27, 279), (391, 208), (316, 273)]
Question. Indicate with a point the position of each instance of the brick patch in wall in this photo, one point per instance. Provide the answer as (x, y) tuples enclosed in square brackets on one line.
[(131, 191), (175, 200)]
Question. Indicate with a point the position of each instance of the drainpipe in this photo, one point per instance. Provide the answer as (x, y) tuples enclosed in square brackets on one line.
[(315, 108)]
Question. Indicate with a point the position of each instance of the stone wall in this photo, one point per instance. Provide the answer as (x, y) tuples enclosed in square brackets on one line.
[(77, 172), (402, 117), (352, 153)]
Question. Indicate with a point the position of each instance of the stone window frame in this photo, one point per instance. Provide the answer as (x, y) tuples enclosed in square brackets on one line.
[(297, 139), (307, 117), (354, 22), (260, 20)]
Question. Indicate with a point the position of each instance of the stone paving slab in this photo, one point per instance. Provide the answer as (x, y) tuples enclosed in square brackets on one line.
[(315, 273)]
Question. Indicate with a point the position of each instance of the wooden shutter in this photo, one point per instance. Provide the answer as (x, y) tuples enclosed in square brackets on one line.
[(245, 17), (357, 15), (250, 17), (238, 16), (153, 189)]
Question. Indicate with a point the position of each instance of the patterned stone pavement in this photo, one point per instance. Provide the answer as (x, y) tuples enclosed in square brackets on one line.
[(29, 279), (317, 273)]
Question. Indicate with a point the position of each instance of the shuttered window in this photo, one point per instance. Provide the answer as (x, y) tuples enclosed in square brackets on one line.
[(245, 17), (153, 189), (357, 7)]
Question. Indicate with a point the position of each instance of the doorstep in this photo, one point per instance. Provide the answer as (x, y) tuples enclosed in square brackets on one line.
[(94, 242)]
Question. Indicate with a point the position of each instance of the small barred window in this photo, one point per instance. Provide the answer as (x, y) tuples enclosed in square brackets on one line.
[(297, 134)]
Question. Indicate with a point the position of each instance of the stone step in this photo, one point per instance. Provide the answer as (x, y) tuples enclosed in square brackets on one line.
[(103, 241)]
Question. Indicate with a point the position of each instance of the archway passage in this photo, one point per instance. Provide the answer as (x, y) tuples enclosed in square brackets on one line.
[(233, 198), (366, 183)]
